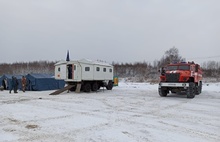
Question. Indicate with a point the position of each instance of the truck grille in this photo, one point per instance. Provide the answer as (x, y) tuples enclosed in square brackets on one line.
[(172, 77)]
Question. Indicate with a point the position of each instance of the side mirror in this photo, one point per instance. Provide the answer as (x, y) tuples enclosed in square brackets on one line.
[(197, 68)]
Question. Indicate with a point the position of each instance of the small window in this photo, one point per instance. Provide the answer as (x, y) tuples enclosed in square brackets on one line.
[(74, 67), (87, 68), (97, 68), (104, 69), (192, 68), (58, 69), (110, 70)]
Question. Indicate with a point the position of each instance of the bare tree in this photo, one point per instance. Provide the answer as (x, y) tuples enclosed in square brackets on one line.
[(171, 55)]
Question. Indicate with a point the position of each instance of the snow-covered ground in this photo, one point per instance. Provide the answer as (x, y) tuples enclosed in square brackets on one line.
[(130, 112)]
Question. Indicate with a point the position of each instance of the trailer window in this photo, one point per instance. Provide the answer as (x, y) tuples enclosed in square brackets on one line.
[(59, 69), (104, 69), (110, 70), (97, 68), (87, 68), (74, 67)]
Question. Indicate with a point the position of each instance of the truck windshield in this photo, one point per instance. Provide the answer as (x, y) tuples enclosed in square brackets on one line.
[(181, 67), (171, 68)]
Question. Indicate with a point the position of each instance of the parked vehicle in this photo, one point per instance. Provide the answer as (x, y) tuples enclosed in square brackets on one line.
[(181, 77), (85, 74)]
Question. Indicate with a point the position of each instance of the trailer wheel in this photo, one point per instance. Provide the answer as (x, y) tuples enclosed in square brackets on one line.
[(87, 87), (95, 86), (162, 92), (99, 86), (110, 85), (190, 92), (73, 88)]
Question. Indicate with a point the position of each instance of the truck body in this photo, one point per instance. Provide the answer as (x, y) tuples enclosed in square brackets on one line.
[(91, 75), (181, 77)]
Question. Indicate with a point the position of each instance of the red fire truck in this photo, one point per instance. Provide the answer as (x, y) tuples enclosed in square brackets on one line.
[(181, 77)]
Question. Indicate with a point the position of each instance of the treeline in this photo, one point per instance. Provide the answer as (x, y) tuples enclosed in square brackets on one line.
[(149, 72), (139, 71), (22, 68), (142, 70), (211, 69)]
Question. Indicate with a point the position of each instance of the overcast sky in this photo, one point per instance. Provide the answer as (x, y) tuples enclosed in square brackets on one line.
[(109, 30)]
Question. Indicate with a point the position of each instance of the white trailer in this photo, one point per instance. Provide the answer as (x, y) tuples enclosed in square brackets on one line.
[(89, 75)]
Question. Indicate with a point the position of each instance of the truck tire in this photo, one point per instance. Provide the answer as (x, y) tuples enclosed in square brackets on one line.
[(162, 92), (95, 86), (190, 92), (110, 85), (87, 87), (198, 89)]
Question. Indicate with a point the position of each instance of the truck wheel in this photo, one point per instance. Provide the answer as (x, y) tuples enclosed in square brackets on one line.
[(190, 92), (162, 92), (110, 85), (87, 87), (197, 89), (95, 86), (200, 88)]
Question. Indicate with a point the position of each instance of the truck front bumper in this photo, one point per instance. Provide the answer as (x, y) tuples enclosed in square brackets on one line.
[(167, 84)]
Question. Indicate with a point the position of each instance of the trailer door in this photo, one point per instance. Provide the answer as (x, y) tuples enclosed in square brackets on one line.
[(73, 72), (70, 71)]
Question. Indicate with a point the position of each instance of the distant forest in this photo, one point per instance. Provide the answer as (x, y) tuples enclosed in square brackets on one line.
[(23, 68), (139, 71)]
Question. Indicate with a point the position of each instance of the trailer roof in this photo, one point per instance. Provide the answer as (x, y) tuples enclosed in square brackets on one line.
[(87, 61), (61, 62)]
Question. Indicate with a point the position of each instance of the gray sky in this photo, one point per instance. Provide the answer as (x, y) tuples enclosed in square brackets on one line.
[(109, 30)]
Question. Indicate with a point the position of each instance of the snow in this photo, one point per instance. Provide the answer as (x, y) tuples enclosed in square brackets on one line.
[(130, 112)]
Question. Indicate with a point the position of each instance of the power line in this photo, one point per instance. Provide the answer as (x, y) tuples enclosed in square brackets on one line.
[(208, 57)]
